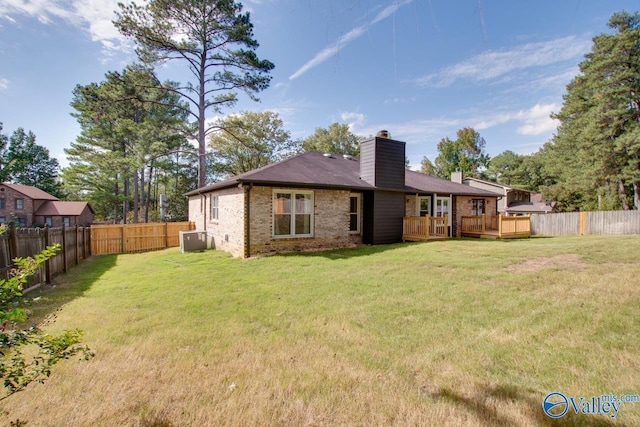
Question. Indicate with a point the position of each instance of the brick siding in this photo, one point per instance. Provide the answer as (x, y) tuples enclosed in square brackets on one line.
[(331, 221)]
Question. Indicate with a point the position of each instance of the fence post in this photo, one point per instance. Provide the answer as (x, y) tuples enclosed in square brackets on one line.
[(64, 248), (13, 242), (76, 246), (123, 238), (87, 239), (166, 235), (47, 263)]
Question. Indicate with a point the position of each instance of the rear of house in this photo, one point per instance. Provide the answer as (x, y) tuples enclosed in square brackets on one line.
[(323, 201)]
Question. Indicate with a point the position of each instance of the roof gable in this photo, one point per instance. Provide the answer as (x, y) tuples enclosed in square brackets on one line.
[(60, 208), (29, 191)]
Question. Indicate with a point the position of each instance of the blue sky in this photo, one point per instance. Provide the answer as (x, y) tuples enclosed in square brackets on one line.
[(421, 69)]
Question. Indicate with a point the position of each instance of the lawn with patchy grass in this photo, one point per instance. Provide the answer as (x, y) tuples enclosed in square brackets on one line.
[(457, 332)]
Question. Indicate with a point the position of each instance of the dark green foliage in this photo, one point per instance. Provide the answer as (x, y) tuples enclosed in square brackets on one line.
[(22, 161), (213, 38), (465, 154), (336, 139), (596, 152), (249, 140), (131, 130)]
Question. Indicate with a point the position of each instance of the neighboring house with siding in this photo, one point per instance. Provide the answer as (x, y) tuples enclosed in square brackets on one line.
[(28, 206), (513, 201), (322, 201)]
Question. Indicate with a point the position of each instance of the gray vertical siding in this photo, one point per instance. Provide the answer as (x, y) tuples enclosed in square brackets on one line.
[(382, 163), (384, 211)]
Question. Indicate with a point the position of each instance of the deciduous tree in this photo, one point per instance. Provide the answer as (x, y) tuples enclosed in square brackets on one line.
[(22, 161), (249, 140), (336, 139), (465, 154)]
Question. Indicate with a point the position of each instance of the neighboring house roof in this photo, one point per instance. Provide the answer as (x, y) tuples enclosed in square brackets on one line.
[(31, 192), (496, 184), (529, 207), (314, 169), (536, 205), (59, 208)]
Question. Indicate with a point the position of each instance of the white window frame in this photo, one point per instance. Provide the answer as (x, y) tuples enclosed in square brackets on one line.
[(292, 226), (215, 207), (48, 220), (66, 221), (19, 203), (358, 213), (419, 202)]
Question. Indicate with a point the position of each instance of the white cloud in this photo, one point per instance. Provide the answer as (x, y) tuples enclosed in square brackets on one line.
[(4, 84), (342, 41), (353, 119), (92, 16), (534, 121), (493, 64)]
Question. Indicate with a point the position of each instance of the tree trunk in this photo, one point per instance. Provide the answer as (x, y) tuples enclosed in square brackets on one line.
[(136, 193), (622, 193), (125, 202), (148, 195), (115, 202), (201, 119)]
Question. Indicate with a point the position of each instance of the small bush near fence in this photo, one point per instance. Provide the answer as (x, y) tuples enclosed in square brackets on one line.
[(586, 223)]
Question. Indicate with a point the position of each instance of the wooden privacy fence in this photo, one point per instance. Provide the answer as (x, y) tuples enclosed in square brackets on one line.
[(127, 238), (586, 223), (27, 242)]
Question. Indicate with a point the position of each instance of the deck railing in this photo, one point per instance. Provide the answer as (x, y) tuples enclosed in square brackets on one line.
[(515, 226), (498, 226), (424, 227)]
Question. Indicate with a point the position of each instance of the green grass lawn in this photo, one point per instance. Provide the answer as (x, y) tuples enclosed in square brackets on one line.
[(457, 332)]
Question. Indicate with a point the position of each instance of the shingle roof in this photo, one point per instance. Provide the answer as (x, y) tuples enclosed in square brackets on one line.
[(31, 192), (314, 169), (496, 184), (58, 208), (433, 184)]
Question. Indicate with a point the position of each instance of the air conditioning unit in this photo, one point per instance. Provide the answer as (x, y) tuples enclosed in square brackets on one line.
[(192, 241)]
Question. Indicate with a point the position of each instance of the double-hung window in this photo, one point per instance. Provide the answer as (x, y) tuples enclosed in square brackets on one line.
[(354, 213), (214, 208), (19, 204), (292, 213)]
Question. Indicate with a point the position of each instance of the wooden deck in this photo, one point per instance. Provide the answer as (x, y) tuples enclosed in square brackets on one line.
[(416, 228), (498, 227)]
